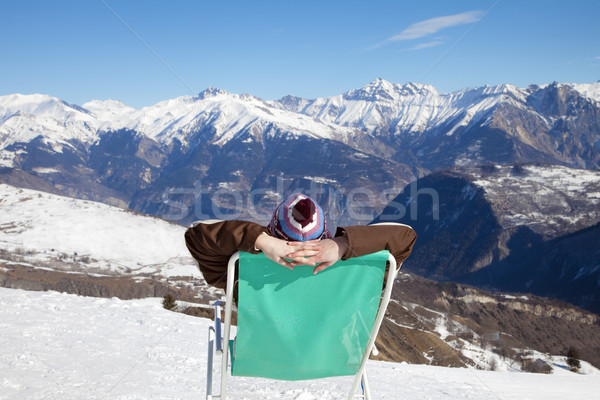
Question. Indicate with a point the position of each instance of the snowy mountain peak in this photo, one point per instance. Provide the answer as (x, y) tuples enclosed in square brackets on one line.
[(413, 89), (38, 105), (108, 110), (380, 85), (25, 117), (378, 90), (384, 91), (210, 92), (502, 88), (95, 105)]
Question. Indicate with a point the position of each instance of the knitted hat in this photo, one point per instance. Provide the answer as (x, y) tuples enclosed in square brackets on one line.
[(299, 218)]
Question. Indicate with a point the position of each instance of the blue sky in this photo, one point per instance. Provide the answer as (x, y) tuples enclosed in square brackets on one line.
[(142, 52)]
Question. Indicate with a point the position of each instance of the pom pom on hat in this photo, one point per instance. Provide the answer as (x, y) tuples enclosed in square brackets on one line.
[(299, 218)]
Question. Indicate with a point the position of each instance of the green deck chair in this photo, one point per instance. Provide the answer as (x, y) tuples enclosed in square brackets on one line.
[(293, 325)]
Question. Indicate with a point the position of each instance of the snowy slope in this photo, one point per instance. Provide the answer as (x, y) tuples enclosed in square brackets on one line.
[(591, 90), (108, 111), (45, 229), (551, 201), (59, 346)]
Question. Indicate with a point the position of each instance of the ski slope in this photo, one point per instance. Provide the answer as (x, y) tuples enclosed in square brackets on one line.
[(45, 228), (61, 346)]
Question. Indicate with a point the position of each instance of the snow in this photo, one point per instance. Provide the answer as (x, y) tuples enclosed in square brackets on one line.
[(46, 170), (44, 228), (551, 200), (61, 346), (320, 179), (590, 90), (107, 111), (7, 158), (24, 117)]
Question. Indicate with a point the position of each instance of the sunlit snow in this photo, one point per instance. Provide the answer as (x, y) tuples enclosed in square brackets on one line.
[(45, 227), (60, 346)]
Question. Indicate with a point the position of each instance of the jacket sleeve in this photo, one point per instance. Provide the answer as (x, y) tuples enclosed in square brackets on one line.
[(213, 244), (399, 239)]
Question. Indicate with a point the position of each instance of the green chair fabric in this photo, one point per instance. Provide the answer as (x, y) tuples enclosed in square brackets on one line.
[(293, 325)]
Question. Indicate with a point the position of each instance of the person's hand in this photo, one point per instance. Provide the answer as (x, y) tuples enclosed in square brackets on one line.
[(324, 252), (277, 249)]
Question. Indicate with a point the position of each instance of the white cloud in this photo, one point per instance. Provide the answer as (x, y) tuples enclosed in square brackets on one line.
[(434, 25), (426, 45)]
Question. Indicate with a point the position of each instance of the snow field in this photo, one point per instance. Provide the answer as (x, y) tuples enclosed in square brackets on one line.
[(47, 226), (61, 346)]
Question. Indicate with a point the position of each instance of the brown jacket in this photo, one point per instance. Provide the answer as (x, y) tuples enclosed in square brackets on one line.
[(213, 244)]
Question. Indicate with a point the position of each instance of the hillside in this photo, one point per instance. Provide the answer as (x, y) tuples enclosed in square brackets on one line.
[(524, 228), (50, 242), (79, 246)]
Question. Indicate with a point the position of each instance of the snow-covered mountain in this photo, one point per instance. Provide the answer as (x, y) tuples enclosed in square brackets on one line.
[(590, 90), (413, 109), (117, 239), (550, 200), (24, 118), (110, 152), (380, 106), (392, 109), (372, 140), (228, 114)]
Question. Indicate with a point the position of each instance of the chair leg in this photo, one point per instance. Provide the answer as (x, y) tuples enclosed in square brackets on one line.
[(227, 334), (358, 378), (367, 389), (209, 365)]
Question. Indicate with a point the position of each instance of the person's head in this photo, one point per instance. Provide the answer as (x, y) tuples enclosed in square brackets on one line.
[(298, 218)]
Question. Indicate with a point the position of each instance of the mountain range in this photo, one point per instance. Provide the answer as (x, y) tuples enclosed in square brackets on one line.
[(514, 170), (185, 158)]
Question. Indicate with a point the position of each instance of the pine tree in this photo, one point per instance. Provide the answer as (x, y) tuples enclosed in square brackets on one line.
[(169, 302), (573, 359)]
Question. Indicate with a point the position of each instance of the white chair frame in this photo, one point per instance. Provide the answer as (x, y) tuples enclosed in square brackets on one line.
[(222, 344)]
